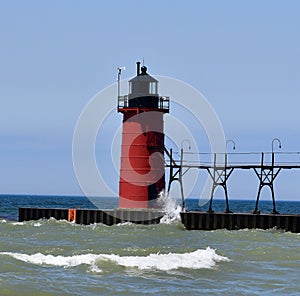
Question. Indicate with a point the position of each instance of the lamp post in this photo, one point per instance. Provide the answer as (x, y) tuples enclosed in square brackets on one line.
[(230, 141), (279, 144), (227, 142), (186, 140)]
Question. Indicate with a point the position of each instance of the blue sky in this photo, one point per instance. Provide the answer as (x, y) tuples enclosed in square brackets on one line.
[(56, 55)]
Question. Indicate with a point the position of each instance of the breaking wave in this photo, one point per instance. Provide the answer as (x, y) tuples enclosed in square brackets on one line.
[(198, 259)]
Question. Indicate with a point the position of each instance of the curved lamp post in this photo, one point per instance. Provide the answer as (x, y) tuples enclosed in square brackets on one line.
[(279, 144), (188, 141), (230, 141)]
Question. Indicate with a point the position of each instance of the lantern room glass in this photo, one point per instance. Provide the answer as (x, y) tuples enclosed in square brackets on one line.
[(130, 87), (153, 88)]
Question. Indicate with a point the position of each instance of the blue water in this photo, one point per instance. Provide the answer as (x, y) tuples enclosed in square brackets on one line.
[(9, 204), (50, 257)]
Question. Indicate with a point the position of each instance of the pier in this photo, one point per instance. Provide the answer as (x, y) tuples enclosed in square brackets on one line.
[(90, 216), (219, 170), (266, 168), (197, 220)]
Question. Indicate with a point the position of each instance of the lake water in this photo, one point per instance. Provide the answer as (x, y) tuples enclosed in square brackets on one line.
[(49, 257)]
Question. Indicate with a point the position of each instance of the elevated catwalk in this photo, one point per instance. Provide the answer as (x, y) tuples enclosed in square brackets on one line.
[(219, 170)]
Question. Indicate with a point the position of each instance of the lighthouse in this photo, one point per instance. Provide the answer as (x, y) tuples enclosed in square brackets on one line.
[(142, 171)]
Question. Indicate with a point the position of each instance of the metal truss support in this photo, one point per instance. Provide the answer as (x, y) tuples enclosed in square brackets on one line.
[(176, 173), (266, 175), (219, 176)]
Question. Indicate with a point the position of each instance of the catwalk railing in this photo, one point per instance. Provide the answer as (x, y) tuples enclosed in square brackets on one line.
[(266, 166)]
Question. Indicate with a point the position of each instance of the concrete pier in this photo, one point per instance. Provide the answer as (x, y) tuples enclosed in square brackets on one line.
[(90, 216), (197, 220), (193, 220)]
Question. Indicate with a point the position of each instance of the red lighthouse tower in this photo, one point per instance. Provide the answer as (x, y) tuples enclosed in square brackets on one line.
[(142, 172)]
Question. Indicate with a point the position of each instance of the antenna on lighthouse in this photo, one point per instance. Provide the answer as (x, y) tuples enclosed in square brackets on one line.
[(119, 79)]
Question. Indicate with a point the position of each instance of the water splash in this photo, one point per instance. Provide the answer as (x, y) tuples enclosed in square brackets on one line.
[(170, 206)]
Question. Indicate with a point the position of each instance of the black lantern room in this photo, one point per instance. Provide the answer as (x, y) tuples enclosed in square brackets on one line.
[(143, 90)]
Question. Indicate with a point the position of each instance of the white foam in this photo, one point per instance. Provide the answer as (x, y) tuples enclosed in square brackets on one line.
[(124, 224), (170, 206), (18, 223), (37, 224), (193, 260), (2, 221), (41, 259), (95, 269)]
